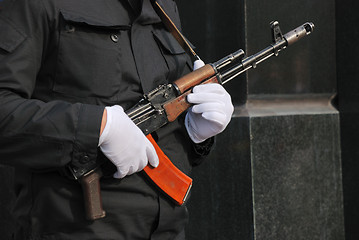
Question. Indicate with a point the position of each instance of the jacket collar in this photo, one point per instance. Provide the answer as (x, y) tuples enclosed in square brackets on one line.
[(148, 14)]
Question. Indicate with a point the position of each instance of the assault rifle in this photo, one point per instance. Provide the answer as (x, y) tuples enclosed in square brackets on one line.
[(165, 103)]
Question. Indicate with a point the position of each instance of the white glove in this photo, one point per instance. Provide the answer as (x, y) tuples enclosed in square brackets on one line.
[(124, 144), (211, 113), (198, 64)]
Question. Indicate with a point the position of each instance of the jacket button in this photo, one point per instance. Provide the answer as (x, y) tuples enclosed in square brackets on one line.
[(70, 28), (114, 38), (85, 159)]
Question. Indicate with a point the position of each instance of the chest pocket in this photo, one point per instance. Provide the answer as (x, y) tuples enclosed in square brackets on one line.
[(11, 37), (177, 60), (88, 56)]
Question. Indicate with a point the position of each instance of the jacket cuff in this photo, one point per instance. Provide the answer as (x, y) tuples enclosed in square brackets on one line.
[(201, 150), (84, 158)]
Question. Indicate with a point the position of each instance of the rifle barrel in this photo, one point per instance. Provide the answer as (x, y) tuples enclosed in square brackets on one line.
[(252, 61)]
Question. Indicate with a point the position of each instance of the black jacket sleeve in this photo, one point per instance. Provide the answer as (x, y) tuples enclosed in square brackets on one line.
[(34, 133)]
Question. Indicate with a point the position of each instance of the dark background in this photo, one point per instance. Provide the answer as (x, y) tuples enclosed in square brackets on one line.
[(347, 51), (219, 28)]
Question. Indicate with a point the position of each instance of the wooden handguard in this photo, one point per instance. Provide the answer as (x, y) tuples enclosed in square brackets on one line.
[(168, 178), (92, 195), (194, 78)]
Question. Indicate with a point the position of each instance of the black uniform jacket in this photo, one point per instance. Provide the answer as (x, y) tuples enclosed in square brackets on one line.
[(61, 63)]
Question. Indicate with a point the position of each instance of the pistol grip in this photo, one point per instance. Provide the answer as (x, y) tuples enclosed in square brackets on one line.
[(167, 177), (92, 195)]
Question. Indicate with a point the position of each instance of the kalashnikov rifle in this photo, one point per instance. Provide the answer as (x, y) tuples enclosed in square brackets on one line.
[(167, 102)]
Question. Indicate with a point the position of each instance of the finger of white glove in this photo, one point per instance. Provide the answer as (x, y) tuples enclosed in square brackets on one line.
[(191, 128), (202, 97), (149, 155), (209, 87), (216, 117), (199, 129), (210, 97), (198, 64), (125, 145), (209, 107), (209, 93), (118, 175), (152, 156)]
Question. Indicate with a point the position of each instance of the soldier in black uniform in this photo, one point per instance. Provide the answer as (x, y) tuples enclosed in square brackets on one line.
[(68, 70)]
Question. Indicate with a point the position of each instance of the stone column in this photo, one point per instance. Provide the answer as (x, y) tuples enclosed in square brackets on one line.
[(275, 173)]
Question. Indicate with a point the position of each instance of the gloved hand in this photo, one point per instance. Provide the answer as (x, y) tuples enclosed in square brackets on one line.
[(198, 64), (211, 113), (124, 144)]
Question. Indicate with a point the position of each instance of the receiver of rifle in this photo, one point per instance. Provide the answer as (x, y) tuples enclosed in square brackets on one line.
[(165, 103)]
